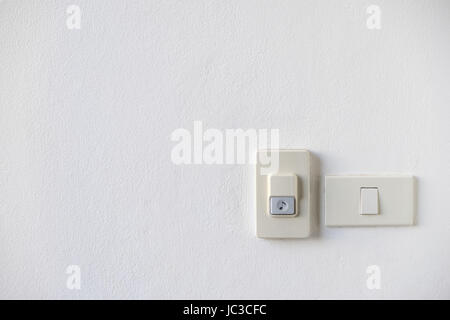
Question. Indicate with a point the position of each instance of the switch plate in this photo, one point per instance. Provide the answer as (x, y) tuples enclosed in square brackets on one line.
[(291, 181), (347, 197)]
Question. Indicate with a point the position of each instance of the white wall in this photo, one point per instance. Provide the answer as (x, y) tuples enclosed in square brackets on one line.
[(85, 121)]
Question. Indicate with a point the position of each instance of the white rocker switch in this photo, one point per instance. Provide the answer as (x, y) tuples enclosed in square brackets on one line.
[(369, 201)]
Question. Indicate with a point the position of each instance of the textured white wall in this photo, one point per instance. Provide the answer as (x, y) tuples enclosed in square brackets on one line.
[(85, 123)]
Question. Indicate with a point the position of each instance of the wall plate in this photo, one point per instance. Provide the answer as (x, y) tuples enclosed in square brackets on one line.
[(369, 200), (289, 185)]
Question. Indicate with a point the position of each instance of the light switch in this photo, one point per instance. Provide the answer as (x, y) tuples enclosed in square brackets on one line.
[(369, 201)]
